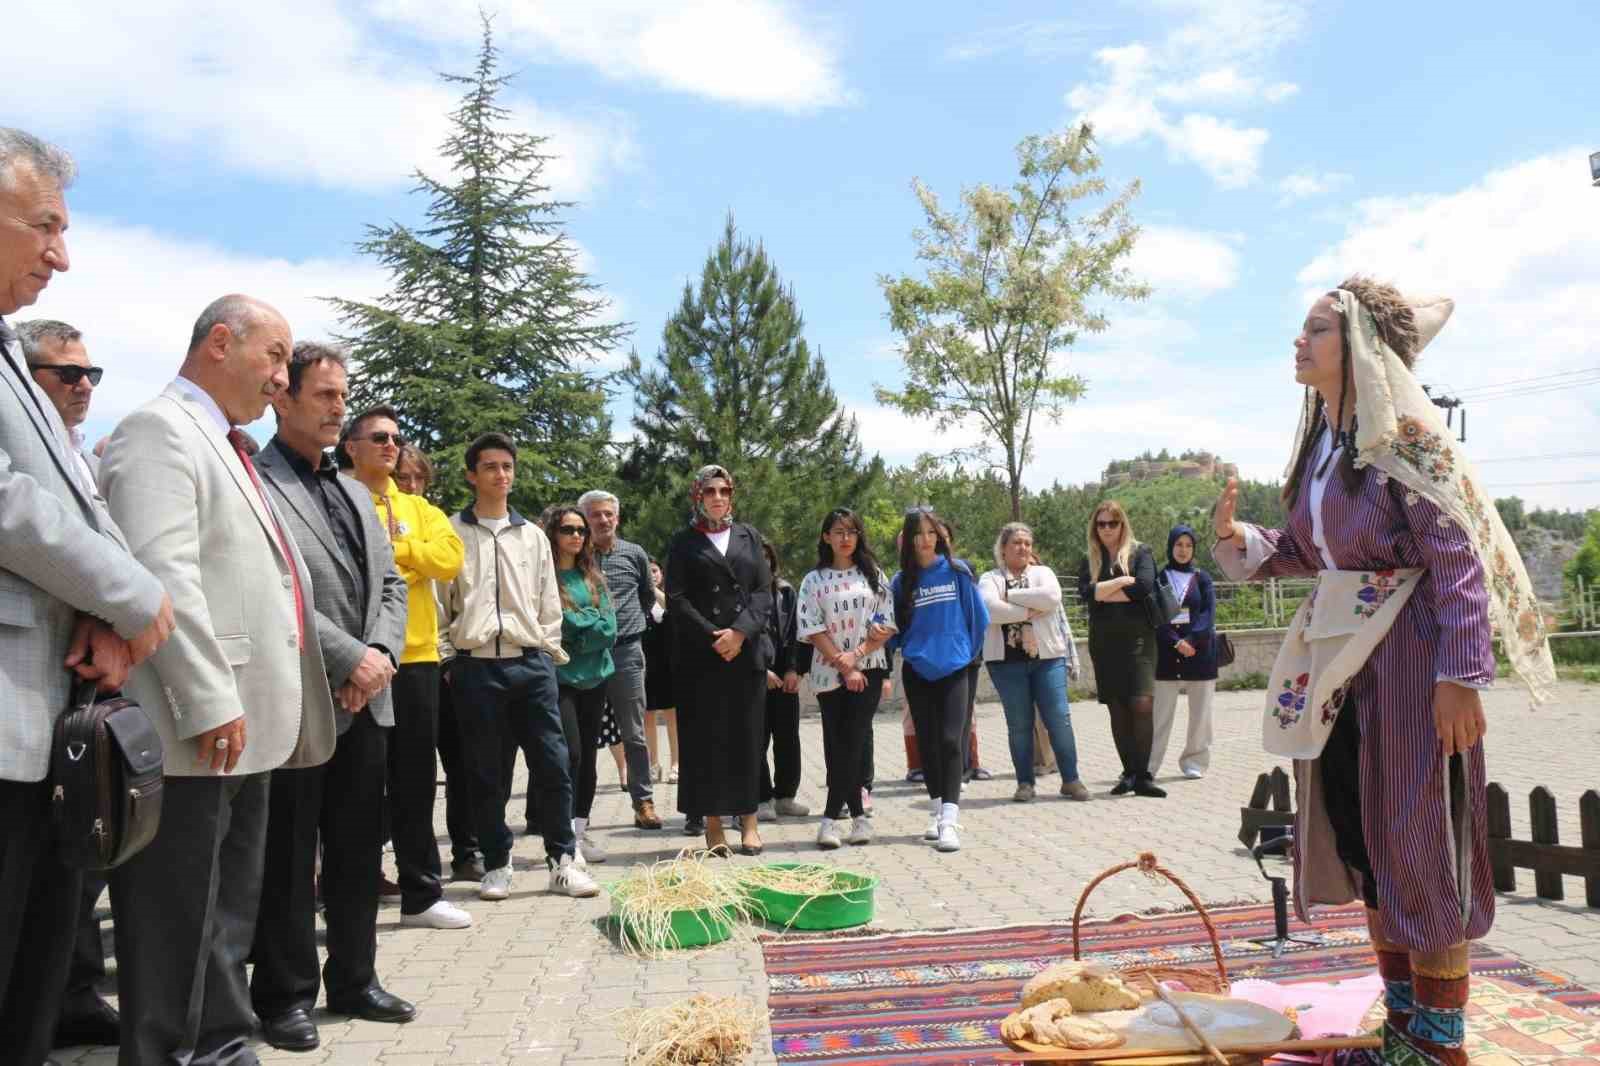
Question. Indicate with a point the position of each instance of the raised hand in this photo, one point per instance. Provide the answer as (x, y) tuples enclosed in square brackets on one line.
[(1222, 523)]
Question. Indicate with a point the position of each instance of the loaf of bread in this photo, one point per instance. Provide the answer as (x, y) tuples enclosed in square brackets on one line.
[(1053, 1022), (1087, 986)]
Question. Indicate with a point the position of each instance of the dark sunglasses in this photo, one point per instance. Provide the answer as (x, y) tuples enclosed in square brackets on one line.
[(1101, 523), (383, 437), (572, 531), (71, 374), (717, 490)]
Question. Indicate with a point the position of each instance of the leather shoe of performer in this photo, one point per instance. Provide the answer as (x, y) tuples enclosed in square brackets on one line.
[(88, 1020), (645, 816), (292, 1031), (374, 1005)]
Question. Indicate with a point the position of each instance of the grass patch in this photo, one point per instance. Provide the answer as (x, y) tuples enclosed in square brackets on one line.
[(1243, 682)]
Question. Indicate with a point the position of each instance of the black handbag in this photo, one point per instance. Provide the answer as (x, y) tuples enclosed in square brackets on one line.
[(1161, 606), (1225, 651), (105, 770)]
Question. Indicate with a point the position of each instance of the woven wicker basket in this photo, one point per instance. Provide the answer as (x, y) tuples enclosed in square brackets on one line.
[(1144, 978)]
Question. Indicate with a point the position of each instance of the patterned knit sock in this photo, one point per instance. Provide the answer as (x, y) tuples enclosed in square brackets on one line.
[(1438, 1029), (1394, 966)]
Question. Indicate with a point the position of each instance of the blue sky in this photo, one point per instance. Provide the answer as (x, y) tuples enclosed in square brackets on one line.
[(1279, 144)]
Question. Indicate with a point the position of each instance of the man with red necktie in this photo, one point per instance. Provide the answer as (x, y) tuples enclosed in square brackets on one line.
[(239, 691)]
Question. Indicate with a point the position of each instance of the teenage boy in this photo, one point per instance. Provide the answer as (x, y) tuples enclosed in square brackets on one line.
[(505, 623)]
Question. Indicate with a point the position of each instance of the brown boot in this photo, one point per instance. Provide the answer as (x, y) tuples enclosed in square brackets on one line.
[(645, 816)]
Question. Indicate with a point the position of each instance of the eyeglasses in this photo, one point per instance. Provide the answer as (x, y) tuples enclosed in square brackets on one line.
[(382, 438), (717, 490), (1101, 523), (71, 373), (848, 534), (572, 531)]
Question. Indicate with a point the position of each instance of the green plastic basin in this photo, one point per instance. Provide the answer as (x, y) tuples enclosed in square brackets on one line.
[(689, 928), (851, 904)]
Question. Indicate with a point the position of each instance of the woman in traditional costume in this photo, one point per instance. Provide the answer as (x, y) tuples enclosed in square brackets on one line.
[(1375, 691)]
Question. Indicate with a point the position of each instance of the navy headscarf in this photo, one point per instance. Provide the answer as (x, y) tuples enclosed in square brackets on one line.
[(1172, 539)]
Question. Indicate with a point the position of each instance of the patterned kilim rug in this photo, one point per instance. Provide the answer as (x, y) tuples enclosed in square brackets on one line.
[(937, 998)]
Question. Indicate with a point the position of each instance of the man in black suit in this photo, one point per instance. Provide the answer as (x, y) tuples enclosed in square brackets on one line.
[(360, 601)]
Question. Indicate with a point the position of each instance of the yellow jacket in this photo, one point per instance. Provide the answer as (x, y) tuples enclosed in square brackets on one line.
[(426, 549)]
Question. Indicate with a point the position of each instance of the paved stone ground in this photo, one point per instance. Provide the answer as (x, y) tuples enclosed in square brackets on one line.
[(536, 979)]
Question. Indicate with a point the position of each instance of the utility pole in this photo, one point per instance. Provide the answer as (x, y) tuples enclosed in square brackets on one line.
[(1449, 404)]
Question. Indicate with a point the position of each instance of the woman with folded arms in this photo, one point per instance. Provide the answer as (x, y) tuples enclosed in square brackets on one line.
[(847, 615), (1025, 648)]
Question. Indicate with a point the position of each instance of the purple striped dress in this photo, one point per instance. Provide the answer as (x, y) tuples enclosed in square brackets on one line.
[(1443, 632)]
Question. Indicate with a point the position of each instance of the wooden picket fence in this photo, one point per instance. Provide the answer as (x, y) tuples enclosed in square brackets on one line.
[(1545, 855)]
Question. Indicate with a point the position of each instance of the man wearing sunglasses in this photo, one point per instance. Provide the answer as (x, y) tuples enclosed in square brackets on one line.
[(59, 364)]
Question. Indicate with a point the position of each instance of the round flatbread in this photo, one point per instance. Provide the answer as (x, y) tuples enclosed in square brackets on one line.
[(1087, 986)]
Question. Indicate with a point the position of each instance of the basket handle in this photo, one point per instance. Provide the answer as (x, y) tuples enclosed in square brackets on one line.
[(1147, 863)]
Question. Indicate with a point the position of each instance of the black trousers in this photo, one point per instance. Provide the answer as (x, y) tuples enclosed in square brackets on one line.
[(412, 783), (88, 948), (846, 732), (581, 711), (1341, 786), (341, 800), (457, 797), (782, 780), (39, 905), (186, 914), (939, 713)]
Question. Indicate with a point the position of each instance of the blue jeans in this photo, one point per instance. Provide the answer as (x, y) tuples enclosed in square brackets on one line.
[(1038, 683)]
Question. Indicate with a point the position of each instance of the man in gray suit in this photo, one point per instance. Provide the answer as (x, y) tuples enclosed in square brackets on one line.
[(239, 690), (360, 601), (60, 366), (68, 586)]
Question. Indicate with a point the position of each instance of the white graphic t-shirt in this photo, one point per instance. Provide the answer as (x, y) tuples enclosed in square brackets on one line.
[(842, 604)]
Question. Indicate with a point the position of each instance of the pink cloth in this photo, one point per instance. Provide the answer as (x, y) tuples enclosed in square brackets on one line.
[(1322, 1008)]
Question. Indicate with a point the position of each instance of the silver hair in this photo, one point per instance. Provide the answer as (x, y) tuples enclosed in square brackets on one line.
[(34, 332), (594, 496), (239, 313), (1007, 531), (21, 147)]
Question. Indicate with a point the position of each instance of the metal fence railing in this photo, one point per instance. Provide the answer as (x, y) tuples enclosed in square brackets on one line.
[(1271, 604)]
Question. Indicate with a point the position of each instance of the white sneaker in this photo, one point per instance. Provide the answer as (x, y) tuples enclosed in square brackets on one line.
[(860, 830), (441, 915), (790, 807), (932, 832), (569, 879), (1194, 773), (589, 850), (496, 884), (948, 840), (827, 835), (765, 812)]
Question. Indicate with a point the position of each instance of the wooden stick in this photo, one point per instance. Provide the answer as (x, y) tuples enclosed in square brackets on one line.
[(1188, 1023), (1278, 1047)]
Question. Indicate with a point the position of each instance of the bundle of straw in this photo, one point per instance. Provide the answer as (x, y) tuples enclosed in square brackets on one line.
[(807, 879), (646, 898), (699, 1031)]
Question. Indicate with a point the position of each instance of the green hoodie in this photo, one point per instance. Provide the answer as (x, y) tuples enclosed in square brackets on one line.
[(587, 634)]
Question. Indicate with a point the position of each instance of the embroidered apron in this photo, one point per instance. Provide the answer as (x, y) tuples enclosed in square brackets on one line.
[(1347, 615)]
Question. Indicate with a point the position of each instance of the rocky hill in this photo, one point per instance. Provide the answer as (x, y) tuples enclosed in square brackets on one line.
[(1192, 466)]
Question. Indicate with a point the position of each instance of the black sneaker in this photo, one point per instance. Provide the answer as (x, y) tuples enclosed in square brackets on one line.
[(466, 870), (693, 827), (1123, 786)]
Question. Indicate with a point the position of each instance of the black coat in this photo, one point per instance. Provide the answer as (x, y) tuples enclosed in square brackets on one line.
[(721, 705), (1200, 630), (783, 652)]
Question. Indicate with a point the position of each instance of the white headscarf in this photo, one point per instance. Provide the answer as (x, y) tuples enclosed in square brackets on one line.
[(1400, 431)]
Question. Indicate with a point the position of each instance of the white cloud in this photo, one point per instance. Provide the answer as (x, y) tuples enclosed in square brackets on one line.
[(1519, 252), (135, 294), (1305, 184), (1034, 39), (1148, 91), (295, 91), (752, 52), (1183, 262)]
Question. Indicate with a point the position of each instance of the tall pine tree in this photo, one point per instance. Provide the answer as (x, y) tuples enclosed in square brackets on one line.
[(489, 323), (735, 383)]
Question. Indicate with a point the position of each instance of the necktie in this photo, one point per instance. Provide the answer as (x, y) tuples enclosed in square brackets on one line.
[(237, 438)]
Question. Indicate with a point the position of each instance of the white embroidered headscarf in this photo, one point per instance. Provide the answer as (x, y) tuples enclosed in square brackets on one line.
[(1400, 431)]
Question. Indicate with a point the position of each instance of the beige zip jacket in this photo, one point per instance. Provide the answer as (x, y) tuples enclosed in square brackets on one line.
[(505, 599)]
